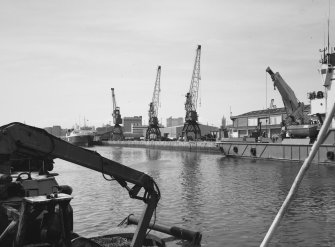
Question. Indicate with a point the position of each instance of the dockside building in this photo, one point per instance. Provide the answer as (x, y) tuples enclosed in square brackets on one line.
[(270, 121)]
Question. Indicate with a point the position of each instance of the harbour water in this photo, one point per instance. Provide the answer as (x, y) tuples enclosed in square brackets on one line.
[(231, 201)]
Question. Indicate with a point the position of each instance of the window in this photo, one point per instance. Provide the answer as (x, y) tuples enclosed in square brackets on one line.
[(235, 123), (242, 122), (252, 121), (264, 121), (242, 133), (275, 120)]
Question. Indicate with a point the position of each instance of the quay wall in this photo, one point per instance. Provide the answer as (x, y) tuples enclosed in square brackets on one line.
[(277, 151), (208, 147)]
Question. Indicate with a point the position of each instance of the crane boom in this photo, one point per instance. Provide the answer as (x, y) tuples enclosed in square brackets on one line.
[(24, 140), (297, 123), (290, 101), (192, 96), (294, 108), (20, 141), (153, 111), (113, 99), (153, 132)]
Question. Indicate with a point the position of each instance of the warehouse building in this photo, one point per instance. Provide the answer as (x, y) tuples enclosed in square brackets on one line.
[(269, 120)]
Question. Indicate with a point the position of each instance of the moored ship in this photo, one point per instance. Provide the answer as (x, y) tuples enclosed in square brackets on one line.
[(299, 130), (82, 136)]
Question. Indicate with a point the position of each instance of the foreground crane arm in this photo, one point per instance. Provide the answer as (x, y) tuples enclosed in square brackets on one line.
[(23, 141)]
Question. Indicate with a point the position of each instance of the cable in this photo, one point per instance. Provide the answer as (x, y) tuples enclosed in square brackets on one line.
[(102, 169), (153, 224), (157, 189), (125, 220)]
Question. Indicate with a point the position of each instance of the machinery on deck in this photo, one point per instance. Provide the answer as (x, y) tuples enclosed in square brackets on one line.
[(117, 133), (36, 211), (191, 129), (153, 132), (297, 123), (328, 77)]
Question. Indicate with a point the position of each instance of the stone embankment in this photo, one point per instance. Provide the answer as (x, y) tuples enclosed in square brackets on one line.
[(208, 147)]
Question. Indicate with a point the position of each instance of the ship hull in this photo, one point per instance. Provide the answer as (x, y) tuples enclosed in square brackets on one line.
[(80, 140), (297, 152), (288, 149)]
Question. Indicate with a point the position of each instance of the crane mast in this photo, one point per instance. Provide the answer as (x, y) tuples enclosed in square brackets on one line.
[(153, 132), (117, 133), (191, 129)]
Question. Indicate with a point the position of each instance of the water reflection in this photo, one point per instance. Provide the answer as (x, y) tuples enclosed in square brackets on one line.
[(117, 154), (231, 201), (153, 154), (313, 208), (191, 181), (153, 164)]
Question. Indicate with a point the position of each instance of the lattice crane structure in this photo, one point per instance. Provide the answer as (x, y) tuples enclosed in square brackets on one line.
[(153, 132), (191, 129), (117, 133)]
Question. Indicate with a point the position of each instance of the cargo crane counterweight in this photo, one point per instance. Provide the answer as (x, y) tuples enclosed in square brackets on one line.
[(153, 132), (117, 133), (191, 119)]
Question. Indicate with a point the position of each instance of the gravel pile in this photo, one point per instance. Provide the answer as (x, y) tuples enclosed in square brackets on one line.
[(112, 241)]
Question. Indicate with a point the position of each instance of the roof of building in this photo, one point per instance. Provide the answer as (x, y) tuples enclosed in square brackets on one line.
[(181, 126), (134, 117), (274, 111)]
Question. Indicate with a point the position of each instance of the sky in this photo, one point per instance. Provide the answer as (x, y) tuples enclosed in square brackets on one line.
[(59, 59)]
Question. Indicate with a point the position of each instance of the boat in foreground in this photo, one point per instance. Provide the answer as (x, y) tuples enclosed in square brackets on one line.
[(36, 211)]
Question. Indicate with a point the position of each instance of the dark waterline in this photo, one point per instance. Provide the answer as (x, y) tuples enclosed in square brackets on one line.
[(231, 201)]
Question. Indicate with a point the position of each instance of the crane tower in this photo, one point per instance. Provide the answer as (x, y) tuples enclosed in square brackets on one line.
[(191, 129), (153, 132), (117, 133)]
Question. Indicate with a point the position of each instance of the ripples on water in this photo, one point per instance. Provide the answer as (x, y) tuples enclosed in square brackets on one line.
[(231, 201)]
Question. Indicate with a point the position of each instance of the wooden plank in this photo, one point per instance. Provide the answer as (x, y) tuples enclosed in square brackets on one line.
[(144, 222)]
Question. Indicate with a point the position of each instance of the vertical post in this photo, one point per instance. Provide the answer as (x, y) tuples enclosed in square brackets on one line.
[(320, 139), (23, 222), (66, 225), (143, 224), (266, 90)]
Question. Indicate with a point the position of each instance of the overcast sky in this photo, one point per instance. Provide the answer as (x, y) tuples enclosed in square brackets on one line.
[(59, 59)]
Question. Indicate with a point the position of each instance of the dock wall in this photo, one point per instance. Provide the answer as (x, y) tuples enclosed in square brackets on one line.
[(270, 151), (275, 151), (208, 147)]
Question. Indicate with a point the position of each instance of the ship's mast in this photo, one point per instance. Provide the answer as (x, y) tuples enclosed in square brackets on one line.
[(328, 72)]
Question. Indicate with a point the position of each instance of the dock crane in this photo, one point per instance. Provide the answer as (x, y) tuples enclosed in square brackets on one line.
[(294, 108), (153, 132), (297, 123), (117, 133), (191, 119)]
